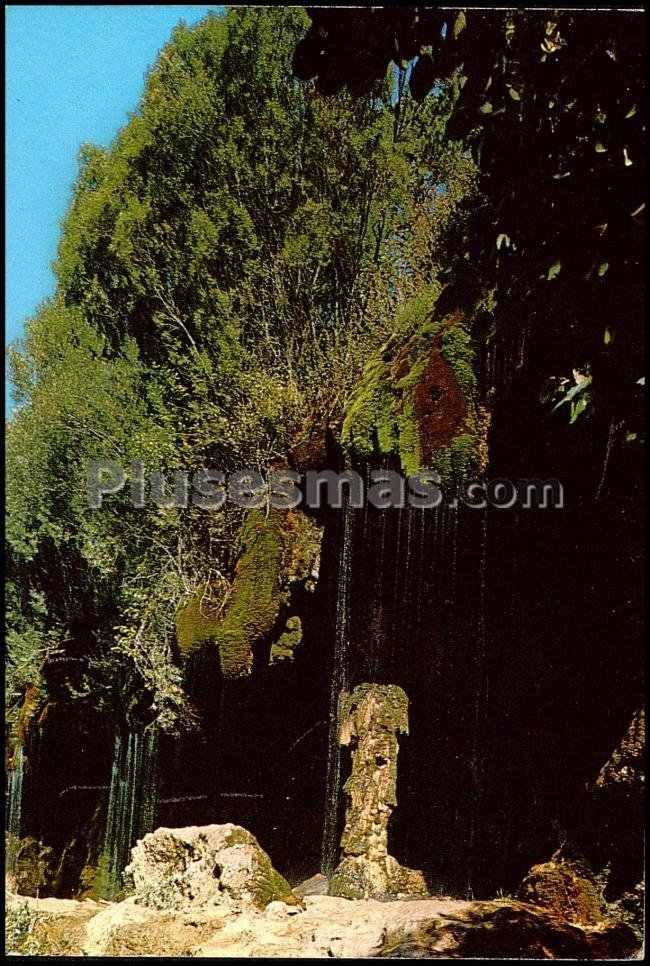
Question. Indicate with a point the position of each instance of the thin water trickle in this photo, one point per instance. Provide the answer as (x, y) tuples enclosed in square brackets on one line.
[(15, 805), (339, 683), (397, 560), (408, 579), (421, 546), (14, 812), (480, 700), (454, 553)]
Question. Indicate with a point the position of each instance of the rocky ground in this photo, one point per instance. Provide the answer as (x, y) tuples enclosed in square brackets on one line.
[(327, 927), (212, 891)]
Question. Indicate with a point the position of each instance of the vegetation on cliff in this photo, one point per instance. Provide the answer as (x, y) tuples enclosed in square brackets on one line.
[(226, 269)]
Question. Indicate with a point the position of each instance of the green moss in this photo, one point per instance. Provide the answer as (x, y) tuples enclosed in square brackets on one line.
[(254, 602), (390, 706), (410, 449), (107, 881), (348, 881), (285, 647), (417, 309), (458, 460), (276, 549), (381, 416), (270, 886), (457, 351), (369, 421), (256, 596), (31, 705), (240, 836)]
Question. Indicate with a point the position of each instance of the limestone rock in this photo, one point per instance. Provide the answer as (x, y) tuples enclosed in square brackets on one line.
[(316, 885), (328, 927), (567, 889), (51, 927), (358, 877), (179, 868), (370, 719)]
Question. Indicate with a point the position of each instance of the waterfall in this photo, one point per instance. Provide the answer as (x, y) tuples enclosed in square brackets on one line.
[(15, 805), (131, 803), (339, 682)]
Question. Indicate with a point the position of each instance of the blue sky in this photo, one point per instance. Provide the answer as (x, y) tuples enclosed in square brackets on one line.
[(73, 74)]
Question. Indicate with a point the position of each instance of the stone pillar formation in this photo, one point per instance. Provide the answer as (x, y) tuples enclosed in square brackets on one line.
[(370, 719)]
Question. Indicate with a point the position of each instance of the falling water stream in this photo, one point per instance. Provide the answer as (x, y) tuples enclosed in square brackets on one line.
[(15, 805), (339, 682), (131, 801)]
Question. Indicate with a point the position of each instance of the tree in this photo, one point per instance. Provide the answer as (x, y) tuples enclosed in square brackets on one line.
[(225, 269)]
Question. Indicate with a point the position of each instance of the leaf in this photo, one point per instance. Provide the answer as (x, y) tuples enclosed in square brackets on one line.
[(514, 94), (602, 269), (582, 383), (554, 271), (503, 239), (631, 112), (485, 108), (459, 24), (577, 408), (600, 148), (608, 336)]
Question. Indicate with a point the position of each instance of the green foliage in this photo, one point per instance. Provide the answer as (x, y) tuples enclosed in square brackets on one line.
[(383, 416), (578, 396), (20, 923), (225, 270), (457, 350)]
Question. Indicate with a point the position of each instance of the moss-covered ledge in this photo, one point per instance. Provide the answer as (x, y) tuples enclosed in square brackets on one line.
[(276, 550), (417, 400)]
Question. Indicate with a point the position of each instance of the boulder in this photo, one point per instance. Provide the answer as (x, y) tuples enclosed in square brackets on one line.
[(316, 885), (566, 888), (222, 865), (32, 867)]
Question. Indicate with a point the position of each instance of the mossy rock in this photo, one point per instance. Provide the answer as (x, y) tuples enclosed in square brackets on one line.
[(201, 866), (417, 400), (284, 649), (390, 709), (29, 708), (568, 889), (384, 879), (276, 549)]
